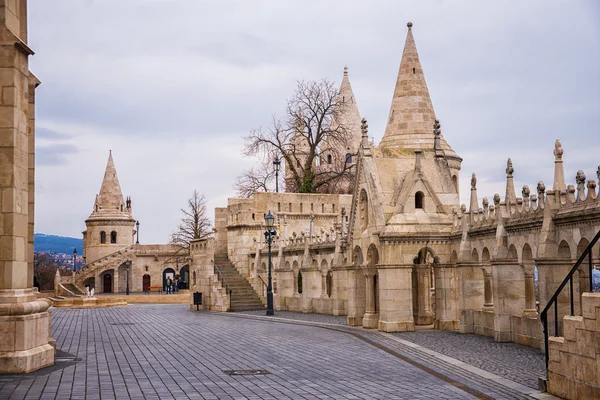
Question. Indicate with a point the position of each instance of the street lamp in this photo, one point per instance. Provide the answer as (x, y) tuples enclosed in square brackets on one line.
[(269, 234), (276, 163), (137, 231), (127, 263), (74, 260)]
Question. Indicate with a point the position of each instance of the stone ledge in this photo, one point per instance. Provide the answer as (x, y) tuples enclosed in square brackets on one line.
[(27, 360)]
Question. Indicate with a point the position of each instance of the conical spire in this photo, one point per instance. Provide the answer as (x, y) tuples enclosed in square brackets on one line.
[(411, 120), (350, 116), (110, 200)]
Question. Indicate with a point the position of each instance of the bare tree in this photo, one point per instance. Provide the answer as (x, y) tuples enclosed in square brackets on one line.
[(256, 179), (195, 224), (44, 269), (310, 139)]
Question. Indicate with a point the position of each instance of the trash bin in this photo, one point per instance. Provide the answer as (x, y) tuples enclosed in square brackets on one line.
[(197, 300)]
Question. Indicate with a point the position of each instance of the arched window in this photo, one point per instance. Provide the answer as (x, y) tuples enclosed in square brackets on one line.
[(102, 237), (299, 282), (113, 237), (298, 163), (329, 159), (348, 158), (419, 200), (329, 283)]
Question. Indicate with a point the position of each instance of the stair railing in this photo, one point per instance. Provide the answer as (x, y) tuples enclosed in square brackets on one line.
[(568, 279), (264, 285), (223, 281)]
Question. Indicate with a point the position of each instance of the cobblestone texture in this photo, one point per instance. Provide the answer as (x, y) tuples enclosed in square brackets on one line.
[(298, 316), (510, 360), (167, 351)]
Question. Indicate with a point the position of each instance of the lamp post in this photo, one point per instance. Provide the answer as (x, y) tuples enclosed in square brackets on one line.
[(137, 231), (269, 234), (276, 164), (127, 263), (74, 261)]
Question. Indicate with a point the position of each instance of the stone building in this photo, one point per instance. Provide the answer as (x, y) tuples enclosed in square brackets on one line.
[(114, 258), (402, 250), (26, 344)]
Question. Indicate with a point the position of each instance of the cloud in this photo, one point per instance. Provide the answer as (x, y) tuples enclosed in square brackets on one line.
[(172, 85)]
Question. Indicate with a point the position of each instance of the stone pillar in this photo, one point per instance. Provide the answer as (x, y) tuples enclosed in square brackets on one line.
[(424, 312), (356, 296), (24, 320), (340, 296), (509, 296), (530, 310), (471, 295), (446, 297), (488, 302), (371, 318), (395, 298), (324, 285)]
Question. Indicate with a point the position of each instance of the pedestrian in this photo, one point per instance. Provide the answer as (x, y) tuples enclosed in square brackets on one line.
[(168, 285)]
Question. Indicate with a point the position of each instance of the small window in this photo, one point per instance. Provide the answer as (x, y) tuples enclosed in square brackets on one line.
[(113, 237), (290, 206), (298, 163), (252, 216), (301, 207), (121, 207), (329, 159), (419, 200), (414, 70), (348, 158), (323, 208), (278, 207), (329, 283), (102, 237), (299, 282), (312, 207)]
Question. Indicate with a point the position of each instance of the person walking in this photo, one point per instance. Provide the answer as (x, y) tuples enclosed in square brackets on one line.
[(168, 284)]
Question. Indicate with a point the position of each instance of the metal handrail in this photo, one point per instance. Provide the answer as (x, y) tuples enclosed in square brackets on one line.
[(264, 285), (554, 299), (223, 281)]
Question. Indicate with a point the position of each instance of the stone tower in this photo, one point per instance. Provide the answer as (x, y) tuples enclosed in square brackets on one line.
[(25, 320), (110, 227)]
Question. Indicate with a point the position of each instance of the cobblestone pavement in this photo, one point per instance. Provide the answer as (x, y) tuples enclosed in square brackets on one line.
[(167, 351), (512, 361), (509, 360)]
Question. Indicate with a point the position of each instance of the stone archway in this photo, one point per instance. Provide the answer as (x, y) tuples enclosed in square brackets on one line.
[(107, 281), (184, 273), (146, 283), (167, 273)]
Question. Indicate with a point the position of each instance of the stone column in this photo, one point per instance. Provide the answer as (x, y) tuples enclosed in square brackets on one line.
[(371, 318), (488, 302), (471, 295), (324, 285), (356, 296), (529, 311), (395, 298), (24, 320), (446, 297), (424, 312), (509, 296), (340, 296)]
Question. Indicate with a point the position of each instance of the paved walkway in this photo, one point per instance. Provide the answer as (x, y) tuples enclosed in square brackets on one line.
[(167, 351)]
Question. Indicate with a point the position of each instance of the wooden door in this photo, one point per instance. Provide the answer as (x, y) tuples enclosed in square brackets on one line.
[(146, 283), (107, 283)]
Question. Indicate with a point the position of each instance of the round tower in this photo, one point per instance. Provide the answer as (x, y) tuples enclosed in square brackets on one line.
[(110, 226)]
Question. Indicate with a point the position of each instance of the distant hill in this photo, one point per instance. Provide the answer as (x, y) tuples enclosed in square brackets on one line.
[(57, 244)]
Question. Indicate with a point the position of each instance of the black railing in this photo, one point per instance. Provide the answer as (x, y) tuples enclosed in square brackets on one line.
[(223, 282), (568, 279), (264, 285)]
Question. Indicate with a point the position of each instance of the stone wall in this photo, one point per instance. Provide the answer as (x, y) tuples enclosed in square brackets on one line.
[(574, 360)]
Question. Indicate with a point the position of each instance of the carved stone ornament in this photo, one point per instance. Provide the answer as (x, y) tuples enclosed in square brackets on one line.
[(509, 168), (580, 177), (496, 199), (525, 192), (485, 202), (558, 150), (541, 188), (473, 181)]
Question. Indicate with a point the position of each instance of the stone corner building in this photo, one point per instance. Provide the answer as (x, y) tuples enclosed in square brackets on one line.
[(25, 342)]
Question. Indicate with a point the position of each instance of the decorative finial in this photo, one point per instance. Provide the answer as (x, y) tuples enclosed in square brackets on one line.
[(525, 192), (591, 185), (509, 168), (558, 150), (436, 127), (345, 70), (541, 188), (473, 181), (409, 25), (580, 177), (485, 202), (497, 199), (364, 127), (463, 208)]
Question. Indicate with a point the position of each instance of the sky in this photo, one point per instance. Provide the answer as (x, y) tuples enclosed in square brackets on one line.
[(172, 86)]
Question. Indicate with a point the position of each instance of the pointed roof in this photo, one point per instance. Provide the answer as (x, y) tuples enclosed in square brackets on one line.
[(350, 116), (411, 119), (110, 203)]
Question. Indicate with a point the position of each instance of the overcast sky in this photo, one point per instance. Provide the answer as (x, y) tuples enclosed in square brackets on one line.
[(171, 86)]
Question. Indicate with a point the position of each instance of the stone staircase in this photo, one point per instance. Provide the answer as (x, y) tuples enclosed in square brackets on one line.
[(73, 289), (243, 296)]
